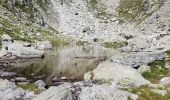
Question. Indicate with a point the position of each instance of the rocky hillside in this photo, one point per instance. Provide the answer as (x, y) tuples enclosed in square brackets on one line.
[(25, 19), (109, 20)]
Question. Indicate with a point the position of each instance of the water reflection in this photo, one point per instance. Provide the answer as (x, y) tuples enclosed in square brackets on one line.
[(70, 61)]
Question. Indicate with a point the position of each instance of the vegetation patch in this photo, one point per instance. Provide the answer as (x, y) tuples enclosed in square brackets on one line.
[(136, 10), (30, 87), (58, 42), (145, 93), (99, 9), (82, 43), (43, 4), (115, 44), (12, 30), (158, 71), (167, 54)]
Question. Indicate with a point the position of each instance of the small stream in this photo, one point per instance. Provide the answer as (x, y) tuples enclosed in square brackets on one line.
[(67, 61)]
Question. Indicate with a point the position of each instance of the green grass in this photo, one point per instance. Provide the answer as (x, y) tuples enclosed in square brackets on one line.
[(43, 4), (58, 42), (168, 54), (93, 3), (131, 10), (30, 87), (124, 8), (145, 93), (101, 10), (13, 30), (157, 71), (81, 43), (114, 44)]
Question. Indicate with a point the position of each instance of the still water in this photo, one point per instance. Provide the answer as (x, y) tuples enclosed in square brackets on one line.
[(68, 61)]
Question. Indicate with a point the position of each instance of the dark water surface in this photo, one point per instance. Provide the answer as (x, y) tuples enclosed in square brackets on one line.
[(70, 61)]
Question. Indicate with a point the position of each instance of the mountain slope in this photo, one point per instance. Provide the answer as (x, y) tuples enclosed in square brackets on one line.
[(108, 20)]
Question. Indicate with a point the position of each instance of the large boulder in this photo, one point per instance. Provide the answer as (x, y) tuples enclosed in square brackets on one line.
[(144, 68), (165, 81), (6, 39), (61, 92), (138, 43), (124, 76), (40, 84), (9, 91), (141, 58), (19, 50), (101, 92), (85, 90), (43, 45)]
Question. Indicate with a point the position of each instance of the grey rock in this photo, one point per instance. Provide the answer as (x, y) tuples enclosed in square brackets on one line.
[(112, 72), (161, 92), (9, 91), (165, 81), (156, 86), (143, 69), (141, 58), (99, 92), (40, 84), (21, 79), (61, 92), (8, 74)]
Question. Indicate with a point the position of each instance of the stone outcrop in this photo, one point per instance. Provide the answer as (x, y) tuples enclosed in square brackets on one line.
[(141, 58), (165, 81), (121, 75), (9, 91), (84, 91)]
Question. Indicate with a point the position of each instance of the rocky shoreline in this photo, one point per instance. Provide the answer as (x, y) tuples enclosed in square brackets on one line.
[(108, 81)]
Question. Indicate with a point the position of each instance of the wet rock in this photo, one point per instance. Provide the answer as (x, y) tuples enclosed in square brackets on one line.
[(56, 79), (8, 74), (40, 84), (58, 83), (21, 79), (98, 92), (112, 72), (64, 79), (40, 77), (143, 69), (165, 81)]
